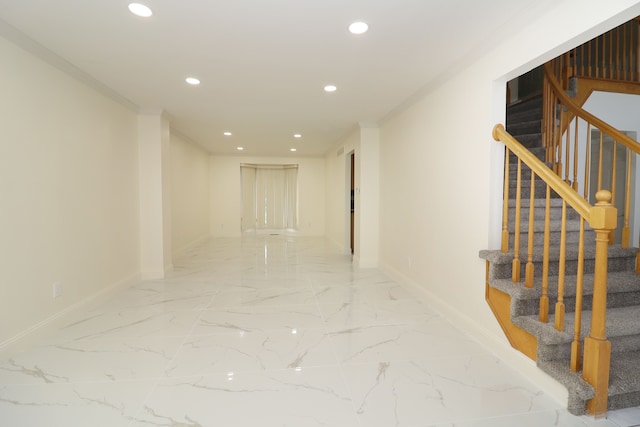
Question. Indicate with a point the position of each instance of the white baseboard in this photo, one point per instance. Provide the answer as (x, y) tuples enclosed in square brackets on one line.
[(497, 345), (32, 335)]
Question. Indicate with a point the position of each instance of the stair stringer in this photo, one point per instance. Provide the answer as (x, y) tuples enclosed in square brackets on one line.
[(500, 304)]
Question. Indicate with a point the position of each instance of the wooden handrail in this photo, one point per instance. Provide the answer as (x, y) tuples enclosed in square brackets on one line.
[(628, 142), (563, 189)]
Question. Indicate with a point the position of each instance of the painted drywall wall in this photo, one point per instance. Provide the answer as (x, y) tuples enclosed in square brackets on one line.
[(226, 201), (68, 188), (189, 193), (154, 153)]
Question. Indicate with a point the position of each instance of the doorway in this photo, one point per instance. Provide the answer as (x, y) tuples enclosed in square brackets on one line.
[(352, 205)]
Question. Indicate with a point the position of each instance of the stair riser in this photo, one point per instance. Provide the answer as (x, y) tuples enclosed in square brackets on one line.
[(530, 307), (549, 352), (534, 103), (539, 152), (524, 116), (572, 237), (525, 190), (530, 140), (524, 128), (621, 401), (555, 213), (503, 271)]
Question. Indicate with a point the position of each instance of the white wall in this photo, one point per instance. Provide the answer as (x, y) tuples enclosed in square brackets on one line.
[(68, 191), (189, 193), (440, 170), (154, 153), (622, 111), (226, 201)]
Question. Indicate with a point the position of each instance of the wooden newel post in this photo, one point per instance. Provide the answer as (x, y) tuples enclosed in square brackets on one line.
[(597, 349)]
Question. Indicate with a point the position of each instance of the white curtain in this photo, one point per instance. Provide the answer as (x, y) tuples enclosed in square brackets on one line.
[(269, 197)]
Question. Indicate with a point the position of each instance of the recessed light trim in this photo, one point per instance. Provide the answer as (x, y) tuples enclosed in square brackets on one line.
[(293, 150), (139, 9), (193, 81), (330, 88), (240, 148), (227, 134), (297, 135), (358, 27)]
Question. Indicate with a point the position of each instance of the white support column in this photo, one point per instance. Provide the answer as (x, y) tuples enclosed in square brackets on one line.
[(155, 198), (368, 196)]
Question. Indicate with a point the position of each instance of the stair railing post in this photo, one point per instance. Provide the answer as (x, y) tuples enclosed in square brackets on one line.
[(597, 349)]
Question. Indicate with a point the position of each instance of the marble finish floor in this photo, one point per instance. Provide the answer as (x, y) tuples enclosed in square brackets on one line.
[(269, 331)]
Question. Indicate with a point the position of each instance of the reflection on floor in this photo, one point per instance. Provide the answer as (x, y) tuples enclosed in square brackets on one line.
[(269, 331)]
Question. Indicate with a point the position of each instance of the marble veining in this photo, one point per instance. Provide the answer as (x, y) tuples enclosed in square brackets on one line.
[(269, 331)]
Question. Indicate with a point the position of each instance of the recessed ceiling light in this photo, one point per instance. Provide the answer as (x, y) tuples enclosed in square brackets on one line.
[(240, 148), (330, 88), (227, 134), (297, 135), (140, 10), (358, 27), (192, 81), (292, 150)]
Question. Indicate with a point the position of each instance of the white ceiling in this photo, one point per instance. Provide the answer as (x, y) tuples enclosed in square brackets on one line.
[(263, 63)]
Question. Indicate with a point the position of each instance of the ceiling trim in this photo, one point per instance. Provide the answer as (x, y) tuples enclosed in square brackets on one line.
[(23, 41)]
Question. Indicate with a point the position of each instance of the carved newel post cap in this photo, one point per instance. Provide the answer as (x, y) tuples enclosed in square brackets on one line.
[(603, 197)]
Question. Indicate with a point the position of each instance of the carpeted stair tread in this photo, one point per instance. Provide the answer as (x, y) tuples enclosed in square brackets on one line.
[(621, 322), (538, 203), (624, 382), (499, 257), (617, 282), (555, 225), (572, 380)]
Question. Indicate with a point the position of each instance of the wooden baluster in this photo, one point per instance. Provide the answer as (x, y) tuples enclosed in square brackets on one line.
[(603, 55), (610, 56), (597, 349), (575, 156), (616, 62), (567, 157), (559, 315), (515, 267), (624, 53), (566, 71), (600, 163), (529, 268), (589, 49), (544, 299), (614, 167), (547, 119), (505, 205), (587, 163), (638, 259), (557, 149), (637, 56), (626, 231), (576, 347), (614, 170)]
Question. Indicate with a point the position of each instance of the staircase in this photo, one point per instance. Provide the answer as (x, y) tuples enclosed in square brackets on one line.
[(550, 348)]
